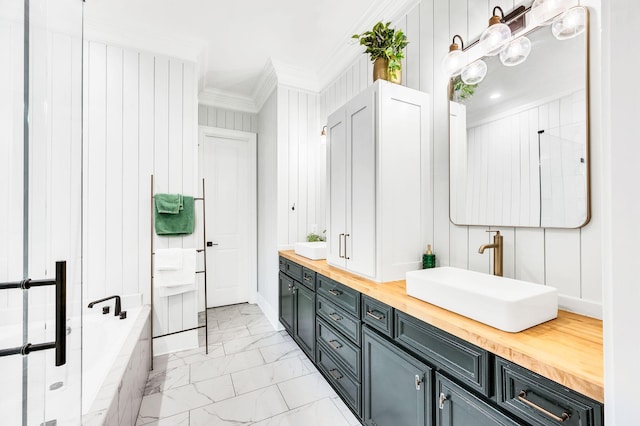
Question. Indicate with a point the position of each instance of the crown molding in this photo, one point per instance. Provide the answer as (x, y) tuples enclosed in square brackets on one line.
[(267, 82), (221, 99), (345, 53)]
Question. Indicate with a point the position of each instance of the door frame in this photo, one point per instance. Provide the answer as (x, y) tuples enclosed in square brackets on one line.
[(251, 139)]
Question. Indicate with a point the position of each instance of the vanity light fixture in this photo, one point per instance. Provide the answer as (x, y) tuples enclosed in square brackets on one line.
[(515, 52), (456, 59), (570, 24), (498, 33)]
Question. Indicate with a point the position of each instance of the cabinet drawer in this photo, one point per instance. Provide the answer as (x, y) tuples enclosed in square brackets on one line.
[(541, 401), (282, 264), (293, 270), (339, 319), (344, 384), (343, 296), (309, 279), (342, 349), (378, 315), (457, 357), (456, 406)]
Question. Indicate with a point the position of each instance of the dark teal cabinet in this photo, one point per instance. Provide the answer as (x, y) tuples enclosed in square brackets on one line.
[(455, 406), (297, 304), (304, 329), (397, 388), (286, 302)]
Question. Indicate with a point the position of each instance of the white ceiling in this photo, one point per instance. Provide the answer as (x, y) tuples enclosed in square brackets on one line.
[(235, 41)]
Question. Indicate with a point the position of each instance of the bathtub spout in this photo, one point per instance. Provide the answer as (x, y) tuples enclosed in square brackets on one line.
[(117, 308)]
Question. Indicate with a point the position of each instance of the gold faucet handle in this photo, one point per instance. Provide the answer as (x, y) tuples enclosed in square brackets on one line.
[(497, 231)]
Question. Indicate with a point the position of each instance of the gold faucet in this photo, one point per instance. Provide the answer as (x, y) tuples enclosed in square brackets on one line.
[(497, 252)]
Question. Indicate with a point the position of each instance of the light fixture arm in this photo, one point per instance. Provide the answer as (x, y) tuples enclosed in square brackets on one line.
[(453, 42)]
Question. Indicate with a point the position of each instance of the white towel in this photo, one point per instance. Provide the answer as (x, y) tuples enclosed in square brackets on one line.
[(168, 259), (172, 282)]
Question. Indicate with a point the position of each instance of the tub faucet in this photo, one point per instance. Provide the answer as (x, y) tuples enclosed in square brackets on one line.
[(497, 252), (117, 309)]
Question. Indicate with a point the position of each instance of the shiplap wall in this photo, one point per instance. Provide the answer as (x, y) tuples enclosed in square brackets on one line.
[(140, 119), (567, 259), (227, 119), (300, 165)]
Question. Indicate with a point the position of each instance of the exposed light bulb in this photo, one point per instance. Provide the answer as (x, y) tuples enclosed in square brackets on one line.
[(453, 63), (570, 24), (516, 52), (495, 36)]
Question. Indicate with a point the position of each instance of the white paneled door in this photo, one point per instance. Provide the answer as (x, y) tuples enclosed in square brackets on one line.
[(228, 165)]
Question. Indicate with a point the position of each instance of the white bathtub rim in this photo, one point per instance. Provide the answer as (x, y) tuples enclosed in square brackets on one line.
[(108, 392)]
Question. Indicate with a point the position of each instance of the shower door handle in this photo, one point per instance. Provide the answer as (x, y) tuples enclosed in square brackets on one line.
[(60, 344)]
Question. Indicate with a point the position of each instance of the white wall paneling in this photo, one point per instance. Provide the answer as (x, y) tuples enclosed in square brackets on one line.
[(565, 258), (227, 119), (141, 115)]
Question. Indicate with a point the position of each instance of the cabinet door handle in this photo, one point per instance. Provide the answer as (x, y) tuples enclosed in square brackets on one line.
[(335, 374), (294, 290), (335, 344), (379, 317), (442, 400), (290, 287), (345, 246), (418, 382), (340, 255), (522, 396), (335, 316), (335, 292)]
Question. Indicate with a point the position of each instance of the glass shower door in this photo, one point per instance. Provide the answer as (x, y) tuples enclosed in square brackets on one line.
[(40, 218)]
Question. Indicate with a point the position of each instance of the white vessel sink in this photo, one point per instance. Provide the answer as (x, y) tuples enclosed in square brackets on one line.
[(315, 251), (504, 303)]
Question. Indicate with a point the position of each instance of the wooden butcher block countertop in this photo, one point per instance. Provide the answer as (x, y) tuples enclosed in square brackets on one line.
[(567, 350)]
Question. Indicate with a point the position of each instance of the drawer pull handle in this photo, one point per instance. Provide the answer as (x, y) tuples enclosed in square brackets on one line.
[(442, 400), (335, 292), (335, 344), (378, 317), (335, 374), (307, 278), (522, 396), (335, 316)]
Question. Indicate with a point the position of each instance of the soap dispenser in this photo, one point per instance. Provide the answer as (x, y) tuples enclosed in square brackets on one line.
[(428, 259)]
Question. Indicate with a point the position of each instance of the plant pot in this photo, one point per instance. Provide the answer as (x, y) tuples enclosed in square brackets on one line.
[(380, 69), (381, 72)]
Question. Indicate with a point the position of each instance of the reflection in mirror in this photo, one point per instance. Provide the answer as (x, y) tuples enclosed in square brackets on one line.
[(519, 139)]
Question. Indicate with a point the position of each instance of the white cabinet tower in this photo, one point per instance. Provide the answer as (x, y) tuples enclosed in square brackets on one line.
[(379, 182)]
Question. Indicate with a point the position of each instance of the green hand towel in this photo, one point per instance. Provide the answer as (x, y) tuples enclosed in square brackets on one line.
[(168, 203), (176, 224)]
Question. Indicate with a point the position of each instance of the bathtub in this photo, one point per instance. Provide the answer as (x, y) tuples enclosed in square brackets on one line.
[(115, 362)]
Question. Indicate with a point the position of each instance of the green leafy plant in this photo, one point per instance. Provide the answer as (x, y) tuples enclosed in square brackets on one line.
[(314, 237), (386, 43), (461, 91)]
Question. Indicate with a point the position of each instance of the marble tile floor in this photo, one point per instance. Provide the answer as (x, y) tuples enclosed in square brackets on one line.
[(253, 375)]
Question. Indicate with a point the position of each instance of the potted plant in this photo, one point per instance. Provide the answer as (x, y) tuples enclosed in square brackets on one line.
[(385, 46)]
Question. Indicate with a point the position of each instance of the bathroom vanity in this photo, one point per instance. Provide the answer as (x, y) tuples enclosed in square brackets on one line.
[(396, 360)]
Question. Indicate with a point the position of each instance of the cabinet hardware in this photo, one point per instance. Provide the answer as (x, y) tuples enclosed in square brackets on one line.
[(334, 344), (522, 396), (345, 246), (335, 292), (335, 316), (340, 255), (418, 382), (441, 400), (295, 289), (335, 374), (291, 287), (376, 317), (307, 278)]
